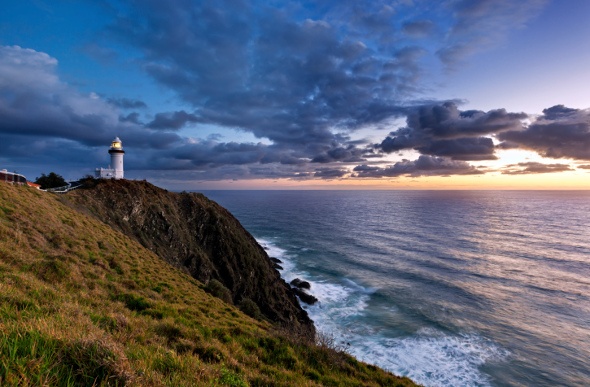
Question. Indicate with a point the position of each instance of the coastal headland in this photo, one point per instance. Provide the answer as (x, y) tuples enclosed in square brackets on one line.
[(123, 283)]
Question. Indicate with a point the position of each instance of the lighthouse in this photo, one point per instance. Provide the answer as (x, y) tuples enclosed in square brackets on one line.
[(115, 170), (116, 151)]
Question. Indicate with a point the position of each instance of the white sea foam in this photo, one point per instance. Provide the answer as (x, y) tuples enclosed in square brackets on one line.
[(429, 357), (276, 252)]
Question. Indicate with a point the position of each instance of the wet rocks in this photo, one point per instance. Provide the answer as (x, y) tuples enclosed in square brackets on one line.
[(299, 288), (298, 283), (305, 297)]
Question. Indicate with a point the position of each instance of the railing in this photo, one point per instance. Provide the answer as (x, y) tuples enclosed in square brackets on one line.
[(65, 189)]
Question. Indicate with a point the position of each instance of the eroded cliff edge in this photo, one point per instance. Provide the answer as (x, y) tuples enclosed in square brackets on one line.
[(190, 231)]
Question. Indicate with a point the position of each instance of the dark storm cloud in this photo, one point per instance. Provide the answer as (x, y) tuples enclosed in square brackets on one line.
[(297, 77), (42, 115), (423, 166), (127, 103), (131, 117), (480, 24), (349, 154), (560, 132), (172, 120), (447, 121), (479, 148), (213, 154), (585, 166), (293, 81), (534, 167), (330, 173), (444, 130)]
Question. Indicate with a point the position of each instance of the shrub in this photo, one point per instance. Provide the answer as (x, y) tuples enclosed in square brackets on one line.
[(217, 289), (250, 308), (53, 180)]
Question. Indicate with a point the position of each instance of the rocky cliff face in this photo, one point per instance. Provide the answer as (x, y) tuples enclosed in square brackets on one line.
[(188, 230)]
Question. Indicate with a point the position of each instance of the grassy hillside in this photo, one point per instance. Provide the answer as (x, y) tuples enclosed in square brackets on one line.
[(190, 231), (82, 304)]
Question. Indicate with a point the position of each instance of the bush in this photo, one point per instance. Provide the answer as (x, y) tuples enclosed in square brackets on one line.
[(217, 289), (53, 180), (250, 308)]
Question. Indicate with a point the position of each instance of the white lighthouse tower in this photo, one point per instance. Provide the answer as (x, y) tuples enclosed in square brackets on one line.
[(115, 170), (116, 151)]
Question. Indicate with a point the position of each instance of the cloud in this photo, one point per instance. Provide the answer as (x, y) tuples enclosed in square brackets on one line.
[(303, 78), (131, 117), (534, 167), (423, 166), (585, 166), (34, 102), (480, 24), (560, 132), (444, 130), (330, 173), (56, 124), (205, 154), (295, 82), (469, 148), (172, 120), (127, 103), (349, 154)]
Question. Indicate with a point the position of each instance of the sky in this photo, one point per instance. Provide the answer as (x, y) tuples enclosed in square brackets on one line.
[(271, 94)]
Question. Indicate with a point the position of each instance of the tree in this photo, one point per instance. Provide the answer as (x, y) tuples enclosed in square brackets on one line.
[(53, 180)]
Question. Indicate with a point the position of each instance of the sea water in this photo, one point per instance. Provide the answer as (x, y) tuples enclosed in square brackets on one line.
[(450, 288)]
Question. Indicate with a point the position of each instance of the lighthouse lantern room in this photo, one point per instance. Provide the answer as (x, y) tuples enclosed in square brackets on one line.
[(115, 170)]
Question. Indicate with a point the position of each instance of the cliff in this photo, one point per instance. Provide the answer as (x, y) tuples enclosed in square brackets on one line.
[(82, 304), (192, 232)]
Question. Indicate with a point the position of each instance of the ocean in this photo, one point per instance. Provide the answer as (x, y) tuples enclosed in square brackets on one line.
[(449, 288)]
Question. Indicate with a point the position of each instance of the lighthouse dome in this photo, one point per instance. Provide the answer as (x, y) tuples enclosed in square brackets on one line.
[(117, 144)]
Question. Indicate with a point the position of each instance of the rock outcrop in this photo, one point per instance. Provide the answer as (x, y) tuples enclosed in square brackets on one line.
[(190, 231)]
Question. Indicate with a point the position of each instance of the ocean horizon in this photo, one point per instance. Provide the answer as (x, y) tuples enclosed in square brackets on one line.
[(464, 288)]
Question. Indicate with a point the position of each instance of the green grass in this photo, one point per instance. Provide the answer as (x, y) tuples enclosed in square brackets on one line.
[(83, 305)]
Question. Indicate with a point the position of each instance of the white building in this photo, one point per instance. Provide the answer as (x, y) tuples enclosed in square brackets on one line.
[(115, 170)]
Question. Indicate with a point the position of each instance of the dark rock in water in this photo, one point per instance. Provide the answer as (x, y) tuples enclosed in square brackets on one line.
[(277, 266), (295, 282), (305, 285), (301, 284), (275, 260), (305, 297)]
